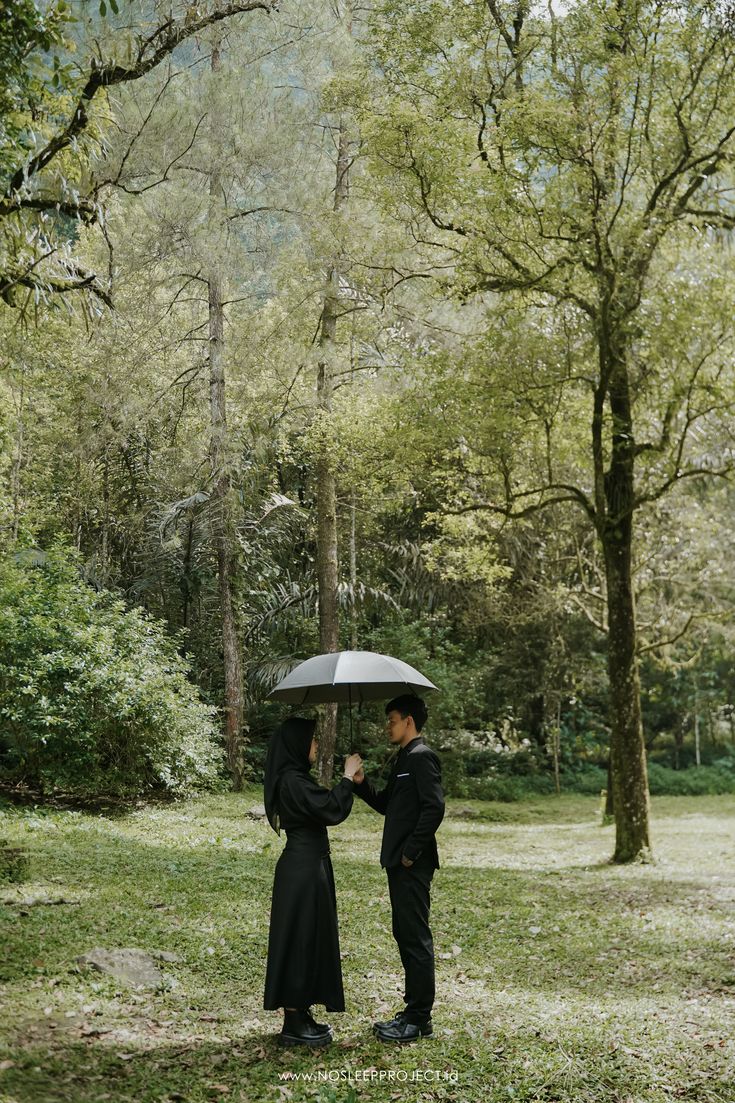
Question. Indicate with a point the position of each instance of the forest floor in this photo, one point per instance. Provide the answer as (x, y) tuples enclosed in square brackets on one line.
[(560, 977)]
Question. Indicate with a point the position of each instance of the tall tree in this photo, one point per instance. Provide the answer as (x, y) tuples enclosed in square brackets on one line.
[(222, 518), (326, 486), (570, 162)]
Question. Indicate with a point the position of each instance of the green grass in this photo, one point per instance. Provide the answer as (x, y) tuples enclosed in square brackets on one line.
[(560, 977)]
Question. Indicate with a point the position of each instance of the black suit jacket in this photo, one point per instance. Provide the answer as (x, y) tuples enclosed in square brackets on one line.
[(412, 803)]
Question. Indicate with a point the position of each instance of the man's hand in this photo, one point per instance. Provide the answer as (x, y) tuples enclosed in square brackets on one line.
[(359, 776), (406, 861)]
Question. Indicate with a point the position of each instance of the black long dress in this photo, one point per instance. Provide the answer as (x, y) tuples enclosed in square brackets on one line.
[(304, 965)]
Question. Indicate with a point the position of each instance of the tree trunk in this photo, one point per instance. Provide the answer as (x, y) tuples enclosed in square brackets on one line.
[(19, 456), (615, 504), (609, 810), (104, 546), (353, 572), (627, 748), (221, 512), (186, 573), (326, 488), (328, 579), (697, 754), (627, 751), (556, 747), (678, 744)]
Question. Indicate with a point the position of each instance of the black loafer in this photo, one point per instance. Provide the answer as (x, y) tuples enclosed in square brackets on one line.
[(401, 1031), (425, 1028), (299, 1029)]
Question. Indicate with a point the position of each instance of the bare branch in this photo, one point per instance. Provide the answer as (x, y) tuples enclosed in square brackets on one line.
[(598, 624)]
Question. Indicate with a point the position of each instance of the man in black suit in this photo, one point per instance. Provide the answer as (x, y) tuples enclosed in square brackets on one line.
[(413, 805)]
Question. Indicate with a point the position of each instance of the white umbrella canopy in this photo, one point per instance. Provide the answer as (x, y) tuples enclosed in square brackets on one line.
[(349, 677)]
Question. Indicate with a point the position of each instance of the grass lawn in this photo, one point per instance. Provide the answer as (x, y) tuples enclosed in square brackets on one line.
[(560, 977)]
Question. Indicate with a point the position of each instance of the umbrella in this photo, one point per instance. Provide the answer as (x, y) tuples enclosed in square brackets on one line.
[(347, 677)]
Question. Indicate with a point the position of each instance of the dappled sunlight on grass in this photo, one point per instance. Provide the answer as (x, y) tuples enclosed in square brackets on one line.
[(560, 977)]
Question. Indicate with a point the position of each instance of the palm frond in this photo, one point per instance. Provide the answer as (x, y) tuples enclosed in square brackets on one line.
[(179, 509)]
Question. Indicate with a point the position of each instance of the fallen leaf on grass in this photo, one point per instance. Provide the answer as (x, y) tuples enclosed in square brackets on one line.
[(6, 1065)]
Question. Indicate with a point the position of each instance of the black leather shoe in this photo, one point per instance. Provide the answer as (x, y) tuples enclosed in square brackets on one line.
[(425, 1028), (402, 1031), (299, 1029)]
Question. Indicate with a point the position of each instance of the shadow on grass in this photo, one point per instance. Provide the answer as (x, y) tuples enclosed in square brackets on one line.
[(580, 1063), (546, 929)]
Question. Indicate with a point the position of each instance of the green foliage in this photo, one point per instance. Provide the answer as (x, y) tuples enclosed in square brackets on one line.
[(426, 643), (29, 34), (440, 406), (14, 863), (94, 697), (696, 781)]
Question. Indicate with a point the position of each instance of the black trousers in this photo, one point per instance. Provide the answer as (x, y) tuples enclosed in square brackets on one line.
[(410, 903)]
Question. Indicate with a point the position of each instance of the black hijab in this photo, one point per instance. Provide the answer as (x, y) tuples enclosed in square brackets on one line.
[(288, 750)]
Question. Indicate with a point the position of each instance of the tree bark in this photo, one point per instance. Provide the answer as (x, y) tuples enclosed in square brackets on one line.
[(19, 456), (609, 811), (326, 487), (627, 749), (353, 573), (556, 747), (221, 512)]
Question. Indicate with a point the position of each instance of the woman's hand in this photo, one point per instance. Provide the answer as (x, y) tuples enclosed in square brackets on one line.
[(353, 766)]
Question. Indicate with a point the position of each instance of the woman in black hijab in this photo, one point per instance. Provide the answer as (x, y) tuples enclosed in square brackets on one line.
[(303, 946)]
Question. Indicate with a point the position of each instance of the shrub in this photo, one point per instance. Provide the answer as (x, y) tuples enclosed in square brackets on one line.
[(696, 781), (584, 779), (508, 788), (94, 697)]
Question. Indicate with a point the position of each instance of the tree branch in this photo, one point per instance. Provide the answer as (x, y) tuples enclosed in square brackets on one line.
[(78, 280), (574, 494), (162, 42), (690, 473)]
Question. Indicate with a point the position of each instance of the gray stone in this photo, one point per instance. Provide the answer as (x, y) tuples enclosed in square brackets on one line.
[(464, 813), (134, 967), (164, 955), (257, 812)]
